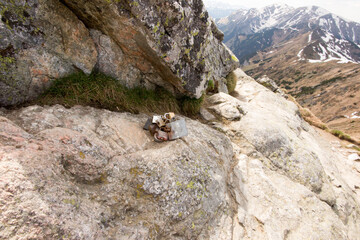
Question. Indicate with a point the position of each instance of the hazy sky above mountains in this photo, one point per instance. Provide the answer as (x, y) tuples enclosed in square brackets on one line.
[(348, 9)]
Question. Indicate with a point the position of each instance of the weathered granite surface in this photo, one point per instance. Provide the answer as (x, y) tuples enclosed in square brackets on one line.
[(85, 173), (40, 41), (173, 44), (288, 182)]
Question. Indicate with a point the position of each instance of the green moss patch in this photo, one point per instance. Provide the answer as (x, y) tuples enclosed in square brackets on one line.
[(211, 86)]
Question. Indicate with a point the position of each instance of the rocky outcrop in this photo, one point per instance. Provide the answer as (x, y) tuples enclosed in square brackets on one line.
[(85, 173), (270, 84), (40, 41), (172, 44), (287, 181)]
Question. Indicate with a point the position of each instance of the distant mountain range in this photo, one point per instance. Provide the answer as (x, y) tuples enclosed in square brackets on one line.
[(308, 51), (330, 37)]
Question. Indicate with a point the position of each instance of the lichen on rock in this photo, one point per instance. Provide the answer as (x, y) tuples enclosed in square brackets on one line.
[(47, 41), (104, 177), (140, 43)]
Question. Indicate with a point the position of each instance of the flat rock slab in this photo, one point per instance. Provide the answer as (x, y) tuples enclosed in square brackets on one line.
[(95, 174)]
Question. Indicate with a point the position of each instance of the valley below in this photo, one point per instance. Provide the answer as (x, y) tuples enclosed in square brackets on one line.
[(312, 54), (330, 90)]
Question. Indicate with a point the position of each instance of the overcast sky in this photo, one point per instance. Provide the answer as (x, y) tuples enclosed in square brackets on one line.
[(348, 9)]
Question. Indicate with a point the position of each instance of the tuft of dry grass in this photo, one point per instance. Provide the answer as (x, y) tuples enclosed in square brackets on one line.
[(343, 136), (100, 91), (308, 116), (231, 80), (191, 106)]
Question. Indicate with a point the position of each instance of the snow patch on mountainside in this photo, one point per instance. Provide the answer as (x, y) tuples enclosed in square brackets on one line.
[(300, 55), (329, 37), (310, 37), (328, 48), (331, 49), (268, 17), (354, 115)]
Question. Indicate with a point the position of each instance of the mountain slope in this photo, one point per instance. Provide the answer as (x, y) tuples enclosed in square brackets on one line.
[(312, 53), (258, 29)]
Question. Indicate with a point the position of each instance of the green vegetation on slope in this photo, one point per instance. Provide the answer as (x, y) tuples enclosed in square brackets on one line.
[(310, 90), (100, 91), (191, 106), (342, 135)]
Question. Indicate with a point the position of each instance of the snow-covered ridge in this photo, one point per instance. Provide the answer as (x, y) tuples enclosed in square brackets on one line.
[(268, 16), (329, 48), (282, 16), (335, 38)]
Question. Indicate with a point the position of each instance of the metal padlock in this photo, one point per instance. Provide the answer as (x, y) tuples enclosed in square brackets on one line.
[(169, 115), (158, 120), (161, 136), (147, 124), (178, 129)]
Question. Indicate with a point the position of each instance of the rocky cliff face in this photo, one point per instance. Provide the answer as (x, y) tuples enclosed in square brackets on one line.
[(260, 172), (140, 43)]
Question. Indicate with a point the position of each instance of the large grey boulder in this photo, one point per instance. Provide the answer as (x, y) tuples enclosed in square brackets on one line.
[(83, 173), (172, 44), (270, 84), (173, 39)]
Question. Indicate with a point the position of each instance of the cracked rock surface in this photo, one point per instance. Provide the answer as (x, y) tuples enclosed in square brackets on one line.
[(287, 181), (85, 173)]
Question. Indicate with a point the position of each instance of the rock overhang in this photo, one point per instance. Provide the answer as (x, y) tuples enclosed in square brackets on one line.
[(172, 44)]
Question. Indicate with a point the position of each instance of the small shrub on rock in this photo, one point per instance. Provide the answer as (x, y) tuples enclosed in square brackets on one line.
[(211, 86)]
